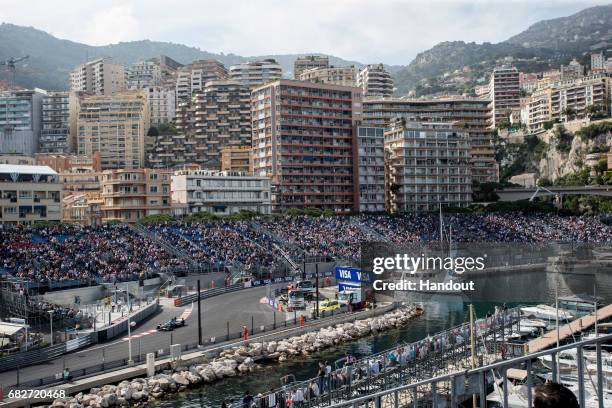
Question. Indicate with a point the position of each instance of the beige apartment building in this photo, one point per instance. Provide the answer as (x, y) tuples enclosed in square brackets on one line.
[(308, 62), (239, 158), (428, 165), (191, 78), (504, 93), (98, 77), (129, 195), (255, 73), (29, 194), (374, 80), (114, 125), (344, 76)]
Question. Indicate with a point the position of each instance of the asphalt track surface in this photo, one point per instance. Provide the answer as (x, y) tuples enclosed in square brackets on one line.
[(237, 308)]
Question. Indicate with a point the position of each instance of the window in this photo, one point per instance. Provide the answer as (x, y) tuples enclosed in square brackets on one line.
[(153, 189)]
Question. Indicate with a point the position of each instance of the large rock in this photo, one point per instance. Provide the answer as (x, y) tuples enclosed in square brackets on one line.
[(180, 379)]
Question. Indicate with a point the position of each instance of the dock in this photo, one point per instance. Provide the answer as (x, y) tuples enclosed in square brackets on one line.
[(575, 326)]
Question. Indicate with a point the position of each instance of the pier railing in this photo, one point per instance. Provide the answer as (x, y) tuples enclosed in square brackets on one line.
[(461, 385), (408, 362)]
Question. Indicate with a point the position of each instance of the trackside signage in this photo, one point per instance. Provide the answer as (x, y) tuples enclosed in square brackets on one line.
[(349, 274)]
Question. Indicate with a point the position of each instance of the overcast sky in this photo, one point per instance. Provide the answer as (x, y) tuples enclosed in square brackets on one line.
[(389, 31)]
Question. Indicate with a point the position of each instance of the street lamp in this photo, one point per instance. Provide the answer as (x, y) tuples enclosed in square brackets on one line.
[(51, 323), (127, 294)]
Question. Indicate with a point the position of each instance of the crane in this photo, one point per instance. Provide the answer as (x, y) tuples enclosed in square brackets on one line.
[(10, 66)]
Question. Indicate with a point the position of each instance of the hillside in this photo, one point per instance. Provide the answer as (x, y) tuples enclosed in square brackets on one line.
[(545, 44), (52, 59)]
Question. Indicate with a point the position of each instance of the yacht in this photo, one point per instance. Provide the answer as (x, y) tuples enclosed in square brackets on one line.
[(546, 312)]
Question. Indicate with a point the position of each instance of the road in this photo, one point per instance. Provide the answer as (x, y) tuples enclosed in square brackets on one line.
[(235, 309)]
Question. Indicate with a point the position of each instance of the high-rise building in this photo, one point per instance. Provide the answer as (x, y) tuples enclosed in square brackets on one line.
[(192, 77), (98, 77), (239, 158), (428, 165), (220, 192), (162, 104), (256, 73), (472, 114), (303, 138), (374, 80), (130, 195), (115, 126), (597, 62), (572, 70), (309, 62), (332, 75), (217, 117), (55, 128), (504, 93), (30, 194), (371, 168), (144, 74), (20, 121)]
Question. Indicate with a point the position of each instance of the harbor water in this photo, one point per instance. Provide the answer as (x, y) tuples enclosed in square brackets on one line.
[(441, 312)]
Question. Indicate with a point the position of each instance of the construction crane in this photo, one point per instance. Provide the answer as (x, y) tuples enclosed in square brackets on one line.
[(10, 66)]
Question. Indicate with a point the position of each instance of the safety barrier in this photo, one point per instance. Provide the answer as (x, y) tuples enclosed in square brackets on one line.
[(121, 327)]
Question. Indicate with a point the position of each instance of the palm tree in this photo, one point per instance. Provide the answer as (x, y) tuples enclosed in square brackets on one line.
[(592, 110), (569, 113)]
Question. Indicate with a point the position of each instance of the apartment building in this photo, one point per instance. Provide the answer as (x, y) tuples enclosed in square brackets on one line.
[(162, 104), (572, 70), (374, 80), (344, 76), (82, 181), (62, 163), (428, 165), (504, 94), (255, 73), (239, 158), (16, 159), (597, 62), (20, 121), (371, 168), (114, 125), (303, 138), (144, 74), (568, 99), (130, 195), (309, 62), (191, 78), (29, 194), (98, 77), (221, 192), (472, 114), (217, 117), (82, 209), (55, 123)]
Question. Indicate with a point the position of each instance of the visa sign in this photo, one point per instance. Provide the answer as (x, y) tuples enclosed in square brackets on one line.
[(344, 273)]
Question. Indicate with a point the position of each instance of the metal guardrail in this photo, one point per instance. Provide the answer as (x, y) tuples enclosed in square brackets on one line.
[(463, 384)]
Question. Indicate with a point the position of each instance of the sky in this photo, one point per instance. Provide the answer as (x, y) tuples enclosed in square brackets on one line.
[(368, 31)]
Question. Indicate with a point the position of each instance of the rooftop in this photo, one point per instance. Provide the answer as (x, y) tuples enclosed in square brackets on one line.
[(27, 169)]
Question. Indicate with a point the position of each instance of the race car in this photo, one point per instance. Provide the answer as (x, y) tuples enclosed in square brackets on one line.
[(171, 324)]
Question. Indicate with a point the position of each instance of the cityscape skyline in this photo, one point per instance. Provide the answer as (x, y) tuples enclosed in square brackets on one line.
[(215, 28)]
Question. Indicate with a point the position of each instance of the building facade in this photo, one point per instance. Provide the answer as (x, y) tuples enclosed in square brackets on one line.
[(597, 62), (472, 114), (221, 193), (20, 121), (428, 165), (238, 159), (344, 76), (144, 74), (303, 139), (162, 104), (255, 73), (98, 77), (130, 195), (55, 123), (374, 80), (504, 93), (116, 127), (29, 194), (371, 168), (572, 70), (62, 163), (217, 117), (191, 78), (309, 62)]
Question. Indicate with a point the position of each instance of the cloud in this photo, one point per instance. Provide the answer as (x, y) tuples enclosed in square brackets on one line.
[(391, 31)]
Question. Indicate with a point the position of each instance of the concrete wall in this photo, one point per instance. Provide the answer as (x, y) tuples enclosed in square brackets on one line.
[(90, 294)]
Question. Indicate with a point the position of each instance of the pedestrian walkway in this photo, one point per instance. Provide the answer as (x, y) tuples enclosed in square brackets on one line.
[(576, 326)]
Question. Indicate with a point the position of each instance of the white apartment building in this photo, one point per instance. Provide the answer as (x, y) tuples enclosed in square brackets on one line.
[(98, 77), (535, 110), (344, 76), (371, 168), (597, 62), (504, 93), (20, 121), (220, 192), (374, 80), (256, 73), (162, 104), (144, 74), (308, 62), (29, 194), (428, 165), (191, 78)]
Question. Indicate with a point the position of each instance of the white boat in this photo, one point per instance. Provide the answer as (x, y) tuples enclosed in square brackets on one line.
[(546, 312), (539, 323), (581, 302), (568, 360)]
